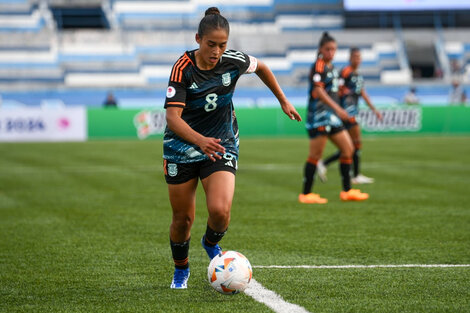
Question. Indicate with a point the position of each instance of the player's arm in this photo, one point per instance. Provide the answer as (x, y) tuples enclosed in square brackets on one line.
[(208, 145), (344, 77), (268, 78), (366, 98), (320, 92)]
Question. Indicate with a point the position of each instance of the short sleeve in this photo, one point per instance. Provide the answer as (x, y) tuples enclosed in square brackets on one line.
[(319, 74), (176, 91), (246, 64), (253, 65), (175, 95)]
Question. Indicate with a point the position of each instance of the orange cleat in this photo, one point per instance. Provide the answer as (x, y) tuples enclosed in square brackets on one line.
[(312, 198), (353, 195)]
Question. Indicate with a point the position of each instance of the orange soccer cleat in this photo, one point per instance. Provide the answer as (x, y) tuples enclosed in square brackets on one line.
[(312, 198), (353, 195)]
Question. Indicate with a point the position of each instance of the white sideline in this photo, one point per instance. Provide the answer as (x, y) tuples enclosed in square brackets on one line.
[(363, 266), (279, 305), (272, 299)]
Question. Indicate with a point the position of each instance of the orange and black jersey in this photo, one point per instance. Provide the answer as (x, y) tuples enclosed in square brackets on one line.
[(319, 113), (324, 76), (206, 99), (351, 86)]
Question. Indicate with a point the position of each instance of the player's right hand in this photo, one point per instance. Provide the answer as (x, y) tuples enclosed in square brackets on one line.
[(210, 146), (343, 115)]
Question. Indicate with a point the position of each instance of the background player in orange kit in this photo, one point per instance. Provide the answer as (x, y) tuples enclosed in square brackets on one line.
[(351, 89), (324, 121)]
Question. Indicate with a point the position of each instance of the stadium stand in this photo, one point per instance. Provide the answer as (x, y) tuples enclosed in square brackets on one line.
[(139, 41), (457, 48)]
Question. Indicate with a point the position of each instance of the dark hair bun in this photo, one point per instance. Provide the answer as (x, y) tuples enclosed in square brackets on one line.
[(212, 10), (325, 34)]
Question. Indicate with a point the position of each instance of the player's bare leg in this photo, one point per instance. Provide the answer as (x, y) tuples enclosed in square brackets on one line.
[(358, 178), (316, 147), (184, 209), (344, 143), (219, 188)]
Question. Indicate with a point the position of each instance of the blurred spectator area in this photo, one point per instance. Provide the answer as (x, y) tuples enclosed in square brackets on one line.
[(133, 44)]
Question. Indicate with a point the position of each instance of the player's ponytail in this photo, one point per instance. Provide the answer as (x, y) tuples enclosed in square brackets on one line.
[(325, 38), (212, 20)]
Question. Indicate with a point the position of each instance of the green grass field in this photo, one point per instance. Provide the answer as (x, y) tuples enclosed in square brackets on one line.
[(84, 228)]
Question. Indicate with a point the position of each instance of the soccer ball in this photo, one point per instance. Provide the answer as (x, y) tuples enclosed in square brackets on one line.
[(229, 272)]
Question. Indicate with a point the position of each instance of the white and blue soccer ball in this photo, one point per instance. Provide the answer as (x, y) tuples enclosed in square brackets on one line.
[(229, 272)]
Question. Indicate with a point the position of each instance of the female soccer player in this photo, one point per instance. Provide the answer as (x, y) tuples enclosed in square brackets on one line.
[(201, 138), (351, 88), (324, 121)]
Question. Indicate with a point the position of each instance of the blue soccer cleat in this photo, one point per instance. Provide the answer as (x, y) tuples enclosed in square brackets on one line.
[(211, 251), (180, 279)]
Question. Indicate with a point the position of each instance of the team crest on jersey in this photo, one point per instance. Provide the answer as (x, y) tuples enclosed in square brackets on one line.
[(226, 79), (172, 170)]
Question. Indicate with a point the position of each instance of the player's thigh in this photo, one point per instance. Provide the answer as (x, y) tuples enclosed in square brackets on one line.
[(316, 146), (343, 141), (219, 188), (355, 133), (183, 198)]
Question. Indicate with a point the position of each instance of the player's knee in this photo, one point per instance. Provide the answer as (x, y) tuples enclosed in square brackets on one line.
[(347, 152), (182, 222), (219, 213), (314, 156)]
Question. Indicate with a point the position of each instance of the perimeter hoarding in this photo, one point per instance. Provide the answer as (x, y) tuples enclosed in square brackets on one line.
[(106, 123), (38, 124)]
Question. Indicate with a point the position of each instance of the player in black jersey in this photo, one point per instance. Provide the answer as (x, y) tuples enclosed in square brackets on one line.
[(324, 121), (351, 89), (201, 138)]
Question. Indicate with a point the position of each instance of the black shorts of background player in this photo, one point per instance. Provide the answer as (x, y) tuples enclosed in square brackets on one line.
[(201, 138), (351, 89)]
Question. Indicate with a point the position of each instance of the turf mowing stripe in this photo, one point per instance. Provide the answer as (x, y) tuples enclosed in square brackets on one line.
[(272, 299), (364, 266)]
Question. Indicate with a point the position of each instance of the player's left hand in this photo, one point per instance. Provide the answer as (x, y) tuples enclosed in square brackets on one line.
[(378, 114), (290, 111)]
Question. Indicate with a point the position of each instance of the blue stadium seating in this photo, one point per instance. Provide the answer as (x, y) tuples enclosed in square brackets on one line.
[(146, 37)]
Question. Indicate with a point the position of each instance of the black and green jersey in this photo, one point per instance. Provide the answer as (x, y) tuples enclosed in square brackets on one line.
[(206, 99)]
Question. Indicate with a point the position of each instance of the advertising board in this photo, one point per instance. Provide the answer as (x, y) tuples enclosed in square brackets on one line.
[(142, 124), (37, 124)]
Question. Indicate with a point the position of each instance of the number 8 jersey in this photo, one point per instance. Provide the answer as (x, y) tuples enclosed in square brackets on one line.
[(206, 99)]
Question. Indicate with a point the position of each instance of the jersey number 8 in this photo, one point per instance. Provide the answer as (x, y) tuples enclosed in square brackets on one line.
[(211, 104)]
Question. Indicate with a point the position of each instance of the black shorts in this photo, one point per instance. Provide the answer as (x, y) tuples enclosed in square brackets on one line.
[(324, 131), (178, 173), (350, 123)]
